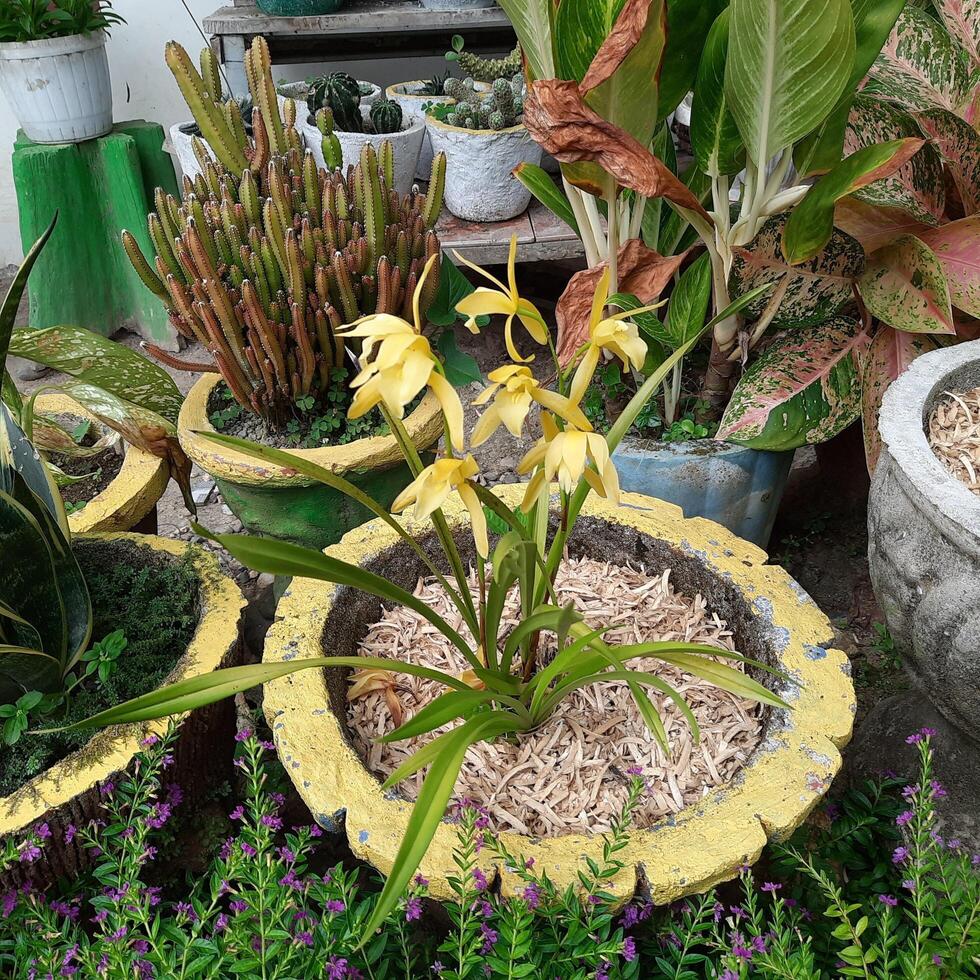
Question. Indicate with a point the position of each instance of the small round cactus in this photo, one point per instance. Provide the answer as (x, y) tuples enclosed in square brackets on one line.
[(496, 121), (386, 116)]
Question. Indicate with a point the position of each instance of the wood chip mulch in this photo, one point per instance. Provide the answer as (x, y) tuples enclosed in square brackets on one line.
[(569, 775), (954, 435)]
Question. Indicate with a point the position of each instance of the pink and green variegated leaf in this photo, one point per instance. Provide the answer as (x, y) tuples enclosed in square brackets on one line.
[(816, 290), (904, 285), (803, 389), (874, 227), (919, 186), (957, 246), (921, 66), (959, 146), (962, 20), (889, 354)]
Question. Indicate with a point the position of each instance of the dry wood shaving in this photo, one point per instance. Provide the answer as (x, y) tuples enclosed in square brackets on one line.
[(954, 435), (569, 775)]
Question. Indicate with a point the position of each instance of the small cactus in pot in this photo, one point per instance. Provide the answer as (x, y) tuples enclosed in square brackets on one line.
[(341, 94), (386, 116), (501, 109)]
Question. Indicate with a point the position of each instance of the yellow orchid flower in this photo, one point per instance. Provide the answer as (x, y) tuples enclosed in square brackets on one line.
[(506, 301), (565, 454), (512, 391), (616, 334), (431, 488), (403, 365)]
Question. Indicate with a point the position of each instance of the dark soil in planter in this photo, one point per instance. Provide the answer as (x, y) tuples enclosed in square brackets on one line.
[(153, 599), (105, 465), (322, 425)]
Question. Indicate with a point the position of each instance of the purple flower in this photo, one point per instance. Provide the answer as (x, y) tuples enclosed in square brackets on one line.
[(272, 822), (30, 853), (420, 882), (185, 908), (888, 900), (149, 741), (315, 831), (532, 895), (248, 850), (908, 885), (285, 854), (772, 887), (238, 813), (900, 855), (413, 909), (909, 792), (729, 975), (43, 831), (221, 923), (718, 911), (602, 971), (437, 968), (741, 952), (489, 937), (759, 944), (9, 903), (335, 905), (937, 959), (141, 946), (239, 905), (629, 949), (904, 818), (480, 880), (634, 771), (158, 816), (938, 790), (70, 832), (243, 736), (737, 911), (306, 939), (106, 788), (927, 732)]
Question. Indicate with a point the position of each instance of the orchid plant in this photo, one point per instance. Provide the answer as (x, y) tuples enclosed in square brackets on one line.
[(507, 689), (777, 104)]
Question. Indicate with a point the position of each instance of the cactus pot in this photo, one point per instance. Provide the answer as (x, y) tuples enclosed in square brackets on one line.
[(133, 493), (68, 792), (407, 145), (181, 136), (299, 8), (409, 97), (772, 618), (58, 88), (924, 540), (458, 4), (278, 503), (480, 185), (738, 487), (370, 93)]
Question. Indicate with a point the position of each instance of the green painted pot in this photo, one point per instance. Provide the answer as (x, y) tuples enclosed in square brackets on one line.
[(299, 8), (275, 502)]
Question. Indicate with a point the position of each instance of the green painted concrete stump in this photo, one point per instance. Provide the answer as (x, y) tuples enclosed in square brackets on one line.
[(99, 188)]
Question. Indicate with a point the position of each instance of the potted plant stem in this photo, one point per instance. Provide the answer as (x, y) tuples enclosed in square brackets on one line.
[(340, 125), (267, 294), (53, 68), (511, 672), (803, 343), (484, 141)]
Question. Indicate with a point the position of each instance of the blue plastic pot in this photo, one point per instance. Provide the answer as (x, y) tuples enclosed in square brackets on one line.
[(734, 486)]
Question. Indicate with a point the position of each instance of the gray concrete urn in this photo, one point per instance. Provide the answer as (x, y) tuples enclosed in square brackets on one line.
[(924, 540)]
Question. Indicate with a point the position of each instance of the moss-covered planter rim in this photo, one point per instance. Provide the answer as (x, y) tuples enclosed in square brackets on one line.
[(704, 844), (130, 496), (424, 426), (111, 750)]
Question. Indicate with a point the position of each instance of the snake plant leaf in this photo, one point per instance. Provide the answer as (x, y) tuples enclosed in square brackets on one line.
[(789, 62), (919, 186), (820, 151), (815, 290), (803, 389), (715, 139), (15, 292), (538, 181), (19, 457), (890, 353), (26, 669), (430, 807), (905, 286), (921, 66), (957, 247), (104, 363), (958, 144), (531, 20), (688, 26), (810, 225), (962, 20)]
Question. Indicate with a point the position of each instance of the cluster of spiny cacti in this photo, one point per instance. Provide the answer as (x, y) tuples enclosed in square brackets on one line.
[(484, 69), (220, 119), (264, 272), (341, 94), (500, 109)]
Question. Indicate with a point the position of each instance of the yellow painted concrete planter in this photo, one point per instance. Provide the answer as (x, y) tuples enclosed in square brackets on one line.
[(68, 792), (277, 502), (130, 496), (772, 617)]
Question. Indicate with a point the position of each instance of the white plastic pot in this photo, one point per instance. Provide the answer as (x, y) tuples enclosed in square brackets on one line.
[(480, 185), (407, 95), (59, 87), (181, 136), (407, 145)]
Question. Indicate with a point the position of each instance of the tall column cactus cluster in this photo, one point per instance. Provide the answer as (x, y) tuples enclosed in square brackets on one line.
[(263, 265), (501, 109)]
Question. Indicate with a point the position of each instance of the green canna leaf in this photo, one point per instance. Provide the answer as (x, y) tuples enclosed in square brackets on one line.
[(538, 181)]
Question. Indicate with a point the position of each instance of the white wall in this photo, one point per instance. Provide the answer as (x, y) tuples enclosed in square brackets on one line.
[(143, 87)]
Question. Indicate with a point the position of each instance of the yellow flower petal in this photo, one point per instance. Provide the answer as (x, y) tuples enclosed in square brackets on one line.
[(513, 407), (477, 517), (512, 352), (486, 425), (563, 407), (512, 267), (483, 272), (535, 486), (599, 298), (416, 296), (583, 374), (452, 407), (485, 302)]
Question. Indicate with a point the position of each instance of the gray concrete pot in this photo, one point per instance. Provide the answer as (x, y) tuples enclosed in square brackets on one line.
[(734, 486), (924, 539), (408, 96)]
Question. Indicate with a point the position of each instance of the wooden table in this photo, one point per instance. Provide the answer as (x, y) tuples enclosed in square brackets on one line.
[(365, 29)]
